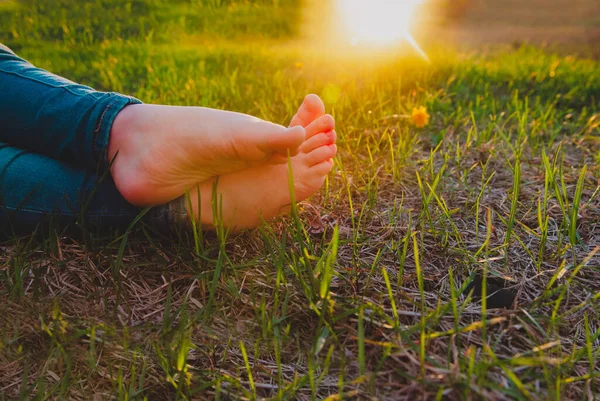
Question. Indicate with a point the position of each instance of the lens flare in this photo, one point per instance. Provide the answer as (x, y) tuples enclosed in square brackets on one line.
[(379, 23)]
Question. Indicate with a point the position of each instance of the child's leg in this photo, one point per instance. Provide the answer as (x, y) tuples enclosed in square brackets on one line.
[(51, 115), (162, 150), (34, 187)]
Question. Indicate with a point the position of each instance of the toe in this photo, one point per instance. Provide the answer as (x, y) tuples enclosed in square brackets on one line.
[(323, 168), (312, 108), (321, 124), (319, 155), (326, 138), (290, 140)]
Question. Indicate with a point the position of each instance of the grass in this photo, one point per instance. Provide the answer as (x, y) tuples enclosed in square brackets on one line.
[(365, 291)]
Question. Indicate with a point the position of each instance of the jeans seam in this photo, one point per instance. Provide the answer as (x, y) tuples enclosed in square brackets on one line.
[(64, 87)]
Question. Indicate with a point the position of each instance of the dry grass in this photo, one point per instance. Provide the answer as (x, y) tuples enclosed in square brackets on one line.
[(127, 308)]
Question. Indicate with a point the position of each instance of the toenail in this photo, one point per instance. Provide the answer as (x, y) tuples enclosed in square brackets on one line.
[(330, 138)]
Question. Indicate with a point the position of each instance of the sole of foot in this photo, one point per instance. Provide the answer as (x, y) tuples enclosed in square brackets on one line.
[(160, 151)]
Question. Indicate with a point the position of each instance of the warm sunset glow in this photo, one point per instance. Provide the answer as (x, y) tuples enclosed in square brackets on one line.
[(377, 23)]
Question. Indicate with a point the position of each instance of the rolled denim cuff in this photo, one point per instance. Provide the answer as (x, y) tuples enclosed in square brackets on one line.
[(53, 116), (113, 105)]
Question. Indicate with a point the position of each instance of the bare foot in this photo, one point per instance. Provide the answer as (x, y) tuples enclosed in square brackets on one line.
[(162, 150), (261, 193)]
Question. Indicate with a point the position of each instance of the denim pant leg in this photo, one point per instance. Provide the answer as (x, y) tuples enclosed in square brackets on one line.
[(53, 140), (53, 116), (35, 188)]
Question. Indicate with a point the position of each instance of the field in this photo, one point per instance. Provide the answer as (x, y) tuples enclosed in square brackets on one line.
[(458, 261)]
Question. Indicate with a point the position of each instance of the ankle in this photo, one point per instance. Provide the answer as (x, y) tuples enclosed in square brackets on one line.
[(121, 155), (122, 129)]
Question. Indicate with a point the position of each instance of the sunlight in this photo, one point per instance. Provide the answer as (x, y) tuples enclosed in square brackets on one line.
[(378, 23)]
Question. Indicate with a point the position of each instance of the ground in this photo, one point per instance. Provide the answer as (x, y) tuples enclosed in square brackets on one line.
[(373, 288)]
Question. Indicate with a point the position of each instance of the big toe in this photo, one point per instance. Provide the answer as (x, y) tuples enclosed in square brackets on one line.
[(289, 141), (312, 108)]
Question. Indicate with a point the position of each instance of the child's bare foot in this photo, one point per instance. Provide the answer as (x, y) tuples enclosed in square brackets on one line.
[(261, 193), (162, 150)]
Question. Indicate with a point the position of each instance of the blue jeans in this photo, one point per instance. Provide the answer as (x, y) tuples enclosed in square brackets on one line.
[(53, 152)]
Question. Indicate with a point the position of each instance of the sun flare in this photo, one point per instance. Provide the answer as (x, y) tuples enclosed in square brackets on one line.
[(377, 23)]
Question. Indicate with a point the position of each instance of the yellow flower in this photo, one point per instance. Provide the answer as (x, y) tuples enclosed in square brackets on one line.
[(420, 117)]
